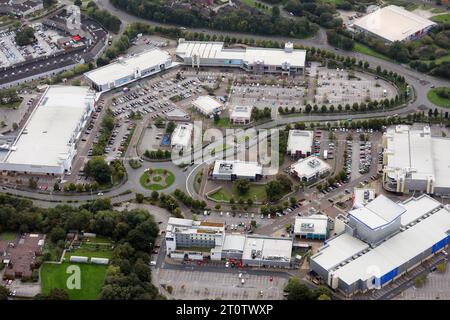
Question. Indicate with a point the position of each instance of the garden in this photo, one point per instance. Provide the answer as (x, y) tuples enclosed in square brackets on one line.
[(157, 179)]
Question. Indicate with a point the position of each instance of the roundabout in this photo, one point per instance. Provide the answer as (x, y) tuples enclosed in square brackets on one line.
[(157, 179)]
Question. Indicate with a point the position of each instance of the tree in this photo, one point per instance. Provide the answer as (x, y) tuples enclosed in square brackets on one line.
[(242, 185), (297, 290), (217, 206), (293, 200), (139, 197), (25, 36), (323, 297), (154, 195), (4, 293), (98, 169), (32, 184), (48, 3), (58, 294), (56, 234), (56, 187), (78, 3)]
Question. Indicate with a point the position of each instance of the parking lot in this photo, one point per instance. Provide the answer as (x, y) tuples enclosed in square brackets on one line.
[(222, 285), (45, 46), (437, 286), (340, 87), (236, 222), (155, 97)]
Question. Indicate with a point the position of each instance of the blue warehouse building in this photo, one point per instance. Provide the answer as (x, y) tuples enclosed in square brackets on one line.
[(381, 242)]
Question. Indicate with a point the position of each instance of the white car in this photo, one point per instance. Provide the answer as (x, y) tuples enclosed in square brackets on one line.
[(227, 264), (100, 193)]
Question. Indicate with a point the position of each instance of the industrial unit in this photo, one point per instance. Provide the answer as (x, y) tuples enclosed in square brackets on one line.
[(393, 23), (380, 242), (181, 136), (285, 61), (47, 143), (128, 69), (196, 240), (207, 105), (310, 168), (241, 114), (235, 169), (415, 162), (300, 143), (314, 227)]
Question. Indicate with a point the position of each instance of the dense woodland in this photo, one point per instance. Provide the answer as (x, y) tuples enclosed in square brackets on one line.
[(227, 20)]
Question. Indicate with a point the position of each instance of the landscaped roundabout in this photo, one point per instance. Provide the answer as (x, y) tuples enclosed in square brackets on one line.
[(157, 179)]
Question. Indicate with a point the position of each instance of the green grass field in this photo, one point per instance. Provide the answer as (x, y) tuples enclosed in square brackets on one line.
[(101, 249), (252, 3), (169, 179), (8, 236), (368, 51), (222, 123), (56, 276), (220, 195), (437, 100), (442, 18), (257, 192)]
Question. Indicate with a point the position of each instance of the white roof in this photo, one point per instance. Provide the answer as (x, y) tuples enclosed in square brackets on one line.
[(393, 23), (417, 207), (207, 104), (177, 113), (337, 250), (310, 166), (180, 222), (378, 213), (415, 153), (234, 242), (181, 136), (238, 168), (316, 224), (300, 140), (126, 66), (215, 50), (269, 248), (241, 112), (46, 139), (399, 249)]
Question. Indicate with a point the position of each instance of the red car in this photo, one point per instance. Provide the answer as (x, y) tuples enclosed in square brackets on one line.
[(270, 278)]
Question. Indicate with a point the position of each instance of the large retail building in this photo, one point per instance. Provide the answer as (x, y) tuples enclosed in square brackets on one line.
[(47, 143), (288, 61)]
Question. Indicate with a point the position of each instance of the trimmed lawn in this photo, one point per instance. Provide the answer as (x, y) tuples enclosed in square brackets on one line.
[(222, 123), (368, 51), (168, 181), (441, 18), (257, 192), (92, 249), (8, 236), (437, 100), (92, 278), (252, 4), (220, 195)]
